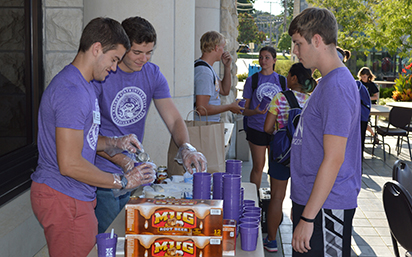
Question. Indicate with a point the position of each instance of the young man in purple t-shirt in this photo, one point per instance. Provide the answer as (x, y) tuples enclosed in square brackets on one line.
[(326, 147), (64, 183), (124, 99)]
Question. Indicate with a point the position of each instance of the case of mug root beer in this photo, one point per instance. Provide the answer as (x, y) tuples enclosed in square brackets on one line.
[(170, 245), (229, 238), (174, 217)]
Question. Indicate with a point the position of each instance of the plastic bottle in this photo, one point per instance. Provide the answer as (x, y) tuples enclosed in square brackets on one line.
[(188, 178)]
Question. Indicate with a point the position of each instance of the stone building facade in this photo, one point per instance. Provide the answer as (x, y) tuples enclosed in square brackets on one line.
[(179, 25)]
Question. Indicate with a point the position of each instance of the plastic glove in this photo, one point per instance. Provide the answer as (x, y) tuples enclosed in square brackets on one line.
[(189, 156), (130, 143), (141, 174)]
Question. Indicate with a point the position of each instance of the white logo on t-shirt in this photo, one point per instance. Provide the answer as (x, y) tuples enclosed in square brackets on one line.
[(267, 89), (128, 107), (93, 133)]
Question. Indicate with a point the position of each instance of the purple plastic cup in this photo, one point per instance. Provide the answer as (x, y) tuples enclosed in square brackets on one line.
[(231, 196), (249, 220), (218, 185), (234, 167), (106, 246), (252, 215), (248, 236), (247, 202), (252, 209), (264, 104), (201, 185), (242, 104)]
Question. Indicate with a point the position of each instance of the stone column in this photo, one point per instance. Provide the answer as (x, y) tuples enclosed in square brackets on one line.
[(228, 27), (63, 25)]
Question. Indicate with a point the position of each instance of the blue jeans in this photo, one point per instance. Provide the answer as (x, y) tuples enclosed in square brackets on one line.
[(108, 207)]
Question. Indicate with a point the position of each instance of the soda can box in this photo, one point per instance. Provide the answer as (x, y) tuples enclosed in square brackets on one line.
[(171, 245), (190, 217), (229, 238)]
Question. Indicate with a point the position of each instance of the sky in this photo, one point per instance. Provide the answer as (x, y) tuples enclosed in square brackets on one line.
[(264, 5)]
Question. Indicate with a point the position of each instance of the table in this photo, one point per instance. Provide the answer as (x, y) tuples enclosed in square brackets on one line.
[(380, 110), (228, 132), (400, 104), (249, 193)]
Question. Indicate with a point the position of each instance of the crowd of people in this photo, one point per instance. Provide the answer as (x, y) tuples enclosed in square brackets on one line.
[(92, 119)]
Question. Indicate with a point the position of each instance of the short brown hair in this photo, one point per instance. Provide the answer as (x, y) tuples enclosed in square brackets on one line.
[(210, 40), (106, 31), (315, 21), (139, 30)]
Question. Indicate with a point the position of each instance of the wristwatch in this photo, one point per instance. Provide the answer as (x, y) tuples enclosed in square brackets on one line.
[(123, 181)]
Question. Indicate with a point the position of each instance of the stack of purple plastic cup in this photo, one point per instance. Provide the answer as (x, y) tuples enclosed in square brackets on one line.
[(249, 233), (218, 185), (231, 196), (234, 167), (201, 185)]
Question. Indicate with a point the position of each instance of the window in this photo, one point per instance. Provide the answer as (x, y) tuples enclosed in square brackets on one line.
[(21, 80)]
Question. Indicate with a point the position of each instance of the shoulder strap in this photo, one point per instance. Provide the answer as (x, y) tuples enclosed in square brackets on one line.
[(203, 63), (282, 81), (255, 78), (290, 96)]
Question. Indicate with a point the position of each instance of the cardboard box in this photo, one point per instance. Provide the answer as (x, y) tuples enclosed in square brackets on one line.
[(170, 245), (174, 217), (229, 237)]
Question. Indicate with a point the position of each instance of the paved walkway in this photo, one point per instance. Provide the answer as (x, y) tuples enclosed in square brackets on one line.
[(371, 235)]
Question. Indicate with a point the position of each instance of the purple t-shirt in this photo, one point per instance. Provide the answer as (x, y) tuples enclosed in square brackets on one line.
[(68, 102), (268, 85), (124, 100), (333, 109)]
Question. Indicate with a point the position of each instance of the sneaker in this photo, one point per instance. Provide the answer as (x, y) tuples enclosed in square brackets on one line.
[(270, 246)]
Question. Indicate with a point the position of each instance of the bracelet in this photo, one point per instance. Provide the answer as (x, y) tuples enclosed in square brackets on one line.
[(307, 220)]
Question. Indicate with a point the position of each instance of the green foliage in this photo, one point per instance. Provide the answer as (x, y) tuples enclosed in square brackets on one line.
[(242, 77), (386, 92), (285, 42), (282, 67), (382, 25), (247, 28), (247, 56)]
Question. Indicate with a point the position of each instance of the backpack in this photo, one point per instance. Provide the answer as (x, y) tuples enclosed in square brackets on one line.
[(282, 139), (203, 63), (255, 77), (365, 101)]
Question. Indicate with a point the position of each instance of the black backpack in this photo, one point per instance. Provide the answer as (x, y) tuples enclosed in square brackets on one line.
[(203, 63), (255, 78), (282, 139)]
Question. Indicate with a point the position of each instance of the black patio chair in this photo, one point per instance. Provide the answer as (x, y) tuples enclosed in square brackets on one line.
[(398, 125), (403, 175), (398, 209)]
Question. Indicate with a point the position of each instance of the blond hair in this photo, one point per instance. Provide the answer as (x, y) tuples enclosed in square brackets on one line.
[(210, 40)]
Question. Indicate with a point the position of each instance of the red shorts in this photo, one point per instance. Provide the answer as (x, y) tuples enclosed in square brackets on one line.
[(70, 225)]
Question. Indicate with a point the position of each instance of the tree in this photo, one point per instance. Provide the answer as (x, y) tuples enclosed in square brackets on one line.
[(285, 42), (247, 28), (260, 37), (354, 18), (245, 6), (394, 27), (363, 25)]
